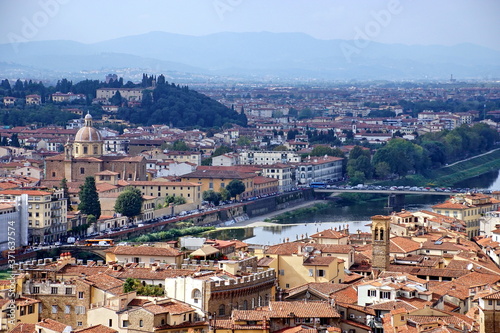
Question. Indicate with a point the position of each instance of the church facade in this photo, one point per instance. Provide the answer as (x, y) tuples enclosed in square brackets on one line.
[(84, 157)]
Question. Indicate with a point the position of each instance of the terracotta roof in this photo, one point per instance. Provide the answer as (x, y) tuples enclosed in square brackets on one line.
[(403, 245), (168, 307), (293, 248), (263, 262), (144, 250), (302, 310), (447, 246), (390, 305), (319, 261), (105, 282), (52, 325), (298, 329), (348, 295), (96, 329), (330, 234), (324, 289), (493, 295), (23, 328)]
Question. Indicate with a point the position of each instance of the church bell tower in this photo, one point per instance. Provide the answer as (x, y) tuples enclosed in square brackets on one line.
[(381, 228)]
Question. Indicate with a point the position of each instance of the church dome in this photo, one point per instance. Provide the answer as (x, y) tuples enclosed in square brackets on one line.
[(88, 133)]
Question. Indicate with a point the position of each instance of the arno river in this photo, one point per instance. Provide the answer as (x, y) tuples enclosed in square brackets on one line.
[(356, 216)]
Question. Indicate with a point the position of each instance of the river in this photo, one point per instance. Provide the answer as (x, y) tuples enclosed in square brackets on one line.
[(355, 216)]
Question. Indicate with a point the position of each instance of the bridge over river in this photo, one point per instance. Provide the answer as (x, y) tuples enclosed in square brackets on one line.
[(395, 196)]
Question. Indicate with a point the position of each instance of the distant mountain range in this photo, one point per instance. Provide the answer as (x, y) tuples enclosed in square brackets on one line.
[(253, 55)]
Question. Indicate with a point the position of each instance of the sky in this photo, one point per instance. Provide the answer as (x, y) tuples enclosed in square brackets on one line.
[(411, 22)]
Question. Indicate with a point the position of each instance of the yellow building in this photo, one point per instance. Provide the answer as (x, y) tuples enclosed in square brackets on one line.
[(468, 208), (33, 100), (300, 263), (211, 179), (24, 310), (191, 191)]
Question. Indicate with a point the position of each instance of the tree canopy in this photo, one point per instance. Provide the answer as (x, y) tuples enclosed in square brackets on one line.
[(212, 196), (129, 202), (235, 188)]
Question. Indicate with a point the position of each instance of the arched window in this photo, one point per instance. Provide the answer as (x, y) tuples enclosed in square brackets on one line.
[(259, 301), (376, 233), (222, 310), (196, 295), (266, 300), (253, 303), (85, 149), (245, 305), (381, 234)]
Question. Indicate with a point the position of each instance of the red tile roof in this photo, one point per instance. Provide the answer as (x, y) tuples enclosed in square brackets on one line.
[(145, 251)]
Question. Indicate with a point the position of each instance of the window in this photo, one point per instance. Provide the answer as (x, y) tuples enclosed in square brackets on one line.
[(36, 290), (282, 272), (125, 323), (79, 323), (110, 322), (311, 272), (31, 309), (53, 290), (69, 291), (490, 302), (79, 309), (196, 295), (222, 310), (385, 294), (321, 272), (54, 308), (85, 150), (82, 171), (141, 323), (67, 309), (372, 293), (80, 295)]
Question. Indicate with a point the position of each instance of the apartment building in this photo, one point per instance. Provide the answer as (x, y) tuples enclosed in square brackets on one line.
[(319, 169), (269, 157), (47, 214)]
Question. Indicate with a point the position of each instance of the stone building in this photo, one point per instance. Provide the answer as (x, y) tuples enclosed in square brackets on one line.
[(84, 157), (381, 228), (221, 292)]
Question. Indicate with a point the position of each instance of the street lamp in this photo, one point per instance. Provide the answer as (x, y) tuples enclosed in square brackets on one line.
[(212, 318)]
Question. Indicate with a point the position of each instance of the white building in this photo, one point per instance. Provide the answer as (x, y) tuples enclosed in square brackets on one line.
[(14, 222), (282, 172), (488, 223), (389, 288), (319, 169), (269, 157), (228, 159)]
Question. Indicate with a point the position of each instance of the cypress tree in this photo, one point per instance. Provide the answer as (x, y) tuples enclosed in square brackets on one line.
[(89, 199)]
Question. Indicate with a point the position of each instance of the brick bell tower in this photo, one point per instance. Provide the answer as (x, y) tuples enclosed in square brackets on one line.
[(381, 228)]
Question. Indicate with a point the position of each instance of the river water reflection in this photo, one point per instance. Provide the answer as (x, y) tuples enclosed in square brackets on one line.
[(356, 216)]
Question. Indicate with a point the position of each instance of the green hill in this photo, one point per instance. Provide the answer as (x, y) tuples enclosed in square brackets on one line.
[(180, 107)]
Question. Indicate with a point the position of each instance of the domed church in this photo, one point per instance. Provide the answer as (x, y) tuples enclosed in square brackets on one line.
[(88, 140), (84, 157)]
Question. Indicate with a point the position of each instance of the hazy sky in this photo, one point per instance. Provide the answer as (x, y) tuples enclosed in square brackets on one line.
[(425, 22)]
